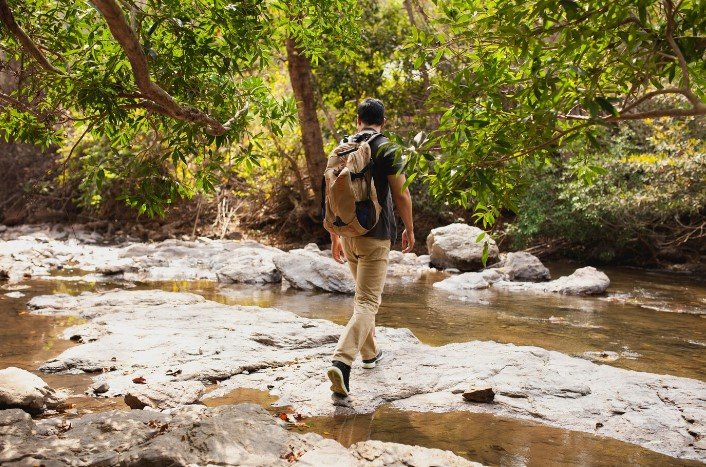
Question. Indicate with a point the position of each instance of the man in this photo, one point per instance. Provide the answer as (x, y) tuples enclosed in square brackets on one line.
[(368, 255)]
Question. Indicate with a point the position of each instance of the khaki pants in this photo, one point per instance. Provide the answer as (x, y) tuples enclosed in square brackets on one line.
[(367, 258)]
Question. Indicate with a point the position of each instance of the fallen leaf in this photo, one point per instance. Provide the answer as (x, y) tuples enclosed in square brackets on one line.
[(283, 416), (139, 380)]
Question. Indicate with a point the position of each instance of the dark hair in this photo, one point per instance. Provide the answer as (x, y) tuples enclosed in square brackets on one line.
[(371, 111)]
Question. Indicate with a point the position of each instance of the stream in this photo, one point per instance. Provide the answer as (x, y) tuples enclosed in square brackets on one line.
[(649, 321)]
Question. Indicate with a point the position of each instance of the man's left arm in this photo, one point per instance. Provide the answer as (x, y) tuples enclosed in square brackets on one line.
[(403, 202)]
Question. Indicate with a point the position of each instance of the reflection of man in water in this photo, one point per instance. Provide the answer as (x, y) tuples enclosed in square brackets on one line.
[(368, 255)]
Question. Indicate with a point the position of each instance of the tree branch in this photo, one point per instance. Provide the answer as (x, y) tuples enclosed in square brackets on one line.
[(670, 11), (163, 102), (22, 106), (8, 19)]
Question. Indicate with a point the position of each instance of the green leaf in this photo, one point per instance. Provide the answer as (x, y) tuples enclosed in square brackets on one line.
[(606, 105)]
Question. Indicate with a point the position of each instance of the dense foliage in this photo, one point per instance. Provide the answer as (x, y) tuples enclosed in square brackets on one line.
[(153, 102), (641, 195), (515, 80)]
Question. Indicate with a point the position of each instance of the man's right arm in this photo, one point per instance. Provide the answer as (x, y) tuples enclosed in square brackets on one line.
[(403, 203)]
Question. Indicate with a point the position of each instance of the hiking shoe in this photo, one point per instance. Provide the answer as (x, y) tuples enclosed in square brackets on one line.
[(339, 374), (370, 363)]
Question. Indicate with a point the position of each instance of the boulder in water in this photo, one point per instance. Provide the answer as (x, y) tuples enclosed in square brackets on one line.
[(522, 266), (455, 246)]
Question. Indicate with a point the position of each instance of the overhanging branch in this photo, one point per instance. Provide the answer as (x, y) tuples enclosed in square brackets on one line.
[(8, 19), (163, 102)]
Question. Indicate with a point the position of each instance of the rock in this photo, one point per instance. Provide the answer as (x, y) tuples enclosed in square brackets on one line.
[(455, 246), (251, 266), (584, 281), (379, 453), (460, 284), (14, 295), (485, 395), (306, 270), (522, 266), (119, 266), (179, 339), (100, 388), (21, 389), (164, 395), (228, 435)]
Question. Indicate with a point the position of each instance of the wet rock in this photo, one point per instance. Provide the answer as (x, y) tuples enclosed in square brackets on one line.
[(522, 266), (584, 281), (486, 395), (393, 454), (23, 390), (605, 356), (406, 266), (228, 435), (463, 283), (164, 395), (455, 246), (271, 349), (307, 270)]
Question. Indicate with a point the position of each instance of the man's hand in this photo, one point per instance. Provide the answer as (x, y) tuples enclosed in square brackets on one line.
[(407, 241), (337, 249)]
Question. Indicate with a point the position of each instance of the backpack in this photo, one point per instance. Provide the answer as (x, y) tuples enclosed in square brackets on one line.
[(351, 206)]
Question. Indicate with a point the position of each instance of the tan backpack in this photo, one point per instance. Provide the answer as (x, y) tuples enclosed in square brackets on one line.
[(351, 206)]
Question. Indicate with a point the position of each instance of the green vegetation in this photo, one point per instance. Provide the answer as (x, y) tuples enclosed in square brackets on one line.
[(641, 195), (499, 107)]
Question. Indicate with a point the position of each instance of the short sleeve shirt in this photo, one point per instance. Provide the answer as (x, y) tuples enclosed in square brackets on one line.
[(384, 164)]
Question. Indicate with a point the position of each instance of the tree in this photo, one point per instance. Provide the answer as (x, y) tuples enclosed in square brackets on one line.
[(515, 80), (175, 83), (300, 76)]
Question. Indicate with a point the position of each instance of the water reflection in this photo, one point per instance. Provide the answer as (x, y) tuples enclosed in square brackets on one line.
[(488, 439)]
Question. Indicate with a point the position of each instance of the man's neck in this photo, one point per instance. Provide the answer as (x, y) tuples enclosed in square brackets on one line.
[(375, 128)]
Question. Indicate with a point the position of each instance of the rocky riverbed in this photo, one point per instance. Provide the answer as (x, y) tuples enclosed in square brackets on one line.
[(169, 338), (194, 435), (26, 254), (162, 352)]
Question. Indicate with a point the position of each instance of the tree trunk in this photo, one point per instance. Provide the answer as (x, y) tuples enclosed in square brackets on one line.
[(300, 75)]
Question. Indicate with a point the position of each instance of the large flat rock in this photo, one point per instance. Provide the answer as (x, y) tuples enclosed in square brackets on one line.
[(242, 434), (275, 350)]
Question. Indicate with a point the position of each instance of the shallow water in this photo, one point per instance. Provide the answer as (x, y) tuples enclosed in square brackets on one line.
[(626, 322), (484, 438), (619, 328)]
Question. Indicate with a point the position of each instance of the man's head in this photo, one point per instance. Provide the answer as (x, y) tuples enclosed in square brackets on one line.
[(371, 113)]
